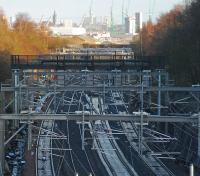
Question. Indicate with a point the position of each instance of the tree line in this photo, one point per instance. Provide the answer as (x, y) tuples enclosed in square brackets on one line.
[(26, 37), (175, 35)]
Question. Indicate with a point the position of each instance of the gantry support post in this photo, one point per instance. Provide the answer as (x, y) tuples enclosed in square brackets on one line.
[(83, 129), (104, 97), (191, 170), (54, 101), (2, 147), (29, 136), (142, 117), (2, 102), (2, 134), (198, 136), (166, 97), (16, 105), (159, 93)]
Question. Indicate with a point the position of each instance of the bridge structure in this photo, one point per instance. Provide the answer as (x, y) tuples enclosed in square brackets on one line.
[(151, 97)]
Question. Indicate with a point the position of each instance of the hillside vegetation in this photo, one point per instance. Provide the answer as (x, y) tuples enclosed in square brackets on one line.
[(176, 35), (27, 38)]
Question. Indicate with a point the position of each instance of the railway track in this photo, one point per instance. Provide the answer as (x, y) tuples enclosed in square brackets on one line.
[(127, 169), (160, 169), (106, 159), (119, 154), (78, 166)]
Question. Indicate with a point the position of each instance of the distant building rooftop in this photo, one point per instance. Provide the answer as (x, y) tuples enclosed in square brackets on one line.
[(66, 28)]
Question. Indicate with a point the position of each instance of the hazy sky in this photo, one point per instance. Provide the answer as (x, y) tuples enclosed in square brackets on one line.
[(75, 9)]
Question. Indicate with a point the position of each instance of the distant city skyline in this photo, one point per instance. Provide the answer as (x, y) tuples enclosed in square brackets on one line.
[(76, 9)]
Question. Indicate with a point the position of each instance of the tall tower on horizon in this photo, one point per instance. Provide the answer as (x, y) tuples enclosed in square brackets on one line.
[(122, 12), (138, 21), (92, 18), (111, 19), (54, 20), (91, 11)]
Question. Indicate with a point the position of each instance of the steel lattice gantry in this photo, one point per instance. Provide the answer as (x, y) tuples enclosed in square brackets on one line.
[(97, 73)]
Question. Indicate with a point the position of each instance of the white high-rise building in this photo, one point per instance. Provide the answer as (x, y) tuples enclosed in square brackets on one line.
[(130, 25)]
